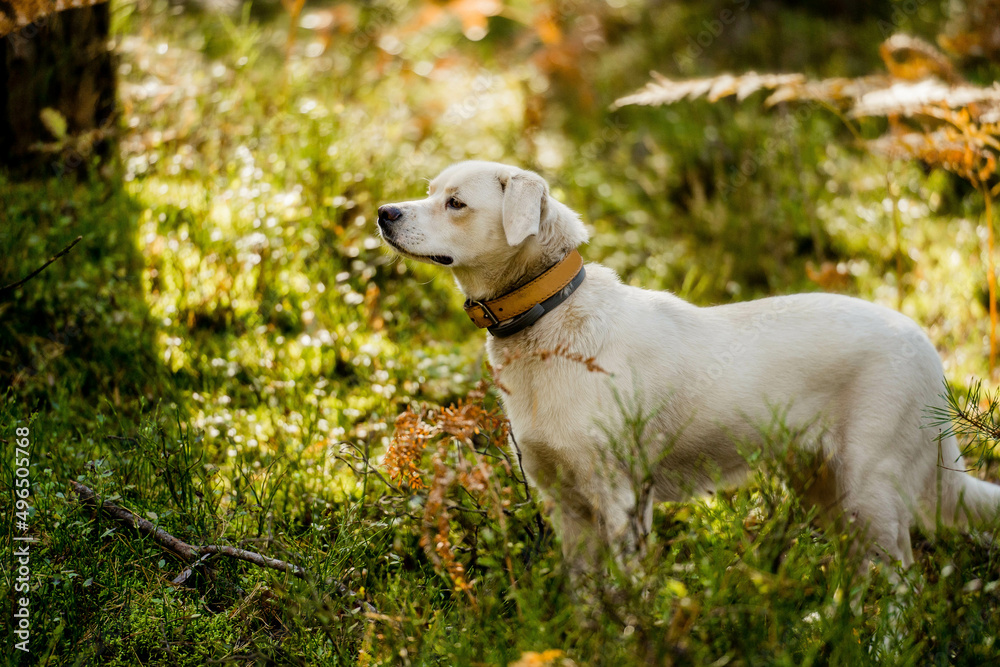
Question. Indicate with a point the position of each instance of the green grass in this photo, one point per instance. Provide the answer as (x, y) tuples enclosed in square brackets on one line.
[(230, 320)]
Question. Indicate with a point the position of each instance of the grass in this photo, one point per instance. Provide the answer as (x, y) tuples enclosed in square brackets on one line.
[(227, 351)]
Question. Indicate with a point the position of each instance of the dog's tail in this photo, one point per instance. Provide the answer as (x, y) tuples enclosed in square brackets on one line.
[(966, 500)]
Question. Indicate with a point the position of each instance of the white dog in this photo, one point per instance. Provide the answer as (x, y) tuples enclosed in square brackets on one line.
[(851, 379)]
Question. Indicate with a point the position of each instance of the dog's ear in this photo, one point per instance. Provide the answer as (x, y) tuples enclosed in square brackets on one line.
[(524, 202)]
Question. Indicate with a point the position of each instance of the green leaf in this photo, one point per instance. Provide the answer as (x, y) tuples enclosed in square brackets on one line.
[(54, 122)]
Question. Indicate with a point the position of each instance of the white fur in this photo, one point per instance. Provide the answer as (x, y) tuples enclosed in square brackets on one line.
[(851, 379)]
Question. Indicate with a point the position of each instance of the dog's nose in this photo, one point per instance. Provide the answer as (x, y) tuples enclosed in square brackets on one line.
[(389, 213)]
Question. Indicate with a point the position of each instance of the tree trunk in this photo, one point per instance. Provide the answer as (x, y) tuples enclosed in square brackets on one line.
[(57, 89)]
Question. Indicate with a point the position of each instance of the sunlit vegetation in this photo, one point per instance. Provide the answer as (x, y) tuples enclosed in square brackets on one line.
[(231, 354)]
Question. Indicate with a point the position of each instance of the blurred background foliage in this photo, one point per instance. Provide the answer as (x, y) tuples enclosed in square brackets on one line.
[(230, 345)]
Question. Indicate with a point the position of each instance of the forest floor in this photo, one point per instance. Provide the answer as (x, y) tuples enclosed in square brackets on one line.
[(230, 352)]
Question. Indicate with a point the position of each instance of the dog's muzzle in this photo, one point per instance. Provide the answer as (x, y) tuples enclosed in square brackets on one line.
[(388, 214)]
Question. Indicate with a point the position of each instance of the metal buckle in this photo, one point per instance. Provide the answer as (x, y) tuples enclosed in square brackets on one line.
[(489, 313)]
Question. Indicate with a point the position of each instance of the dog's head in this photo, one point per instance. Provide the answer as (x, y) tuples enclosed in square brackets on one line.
[(488, 222)]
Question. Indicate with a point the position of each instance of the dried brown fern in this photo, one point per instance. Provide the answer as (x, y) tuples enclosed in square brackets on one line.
[(935, 117), (920, 80), (19, 14), (440, 451)]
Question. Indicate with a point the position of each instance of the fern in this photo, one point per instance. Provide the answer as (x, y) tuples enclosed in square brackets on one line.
[(935, 117)]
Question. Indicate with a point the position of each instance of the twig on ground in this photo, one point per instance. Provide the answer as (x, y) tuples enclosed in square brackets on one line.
[(13, 286), (195, 556), (187, 552), (182, 549)]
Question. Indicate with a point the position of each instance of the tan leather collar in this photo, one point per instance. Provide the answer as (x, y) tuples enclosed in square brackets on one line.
[(492, 313)]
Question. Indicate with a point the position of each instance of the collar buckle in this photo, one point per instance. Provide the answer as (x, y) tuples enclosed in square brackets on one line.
[(487, 312)]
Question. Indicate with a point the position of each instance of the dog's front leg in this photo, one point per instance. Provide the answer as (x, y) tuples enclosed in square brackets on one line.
[(591, 505)]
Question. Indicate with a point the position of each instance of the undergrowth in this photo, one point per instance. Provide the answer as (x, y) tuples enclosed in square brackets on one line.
[(230, 354)]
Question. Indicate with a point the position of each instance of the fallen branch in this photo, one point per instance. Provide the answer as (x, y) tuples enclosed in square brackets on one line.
[(13, 286), (195, 556), (187, 552)]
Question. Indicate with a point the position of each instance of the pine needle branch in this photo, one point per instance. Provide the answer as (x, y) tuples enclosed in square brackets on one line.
[(972, 417)]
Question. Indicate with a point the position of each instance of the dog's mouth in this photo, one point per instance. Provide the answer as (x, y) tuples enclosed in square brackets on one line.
[(443, 260)]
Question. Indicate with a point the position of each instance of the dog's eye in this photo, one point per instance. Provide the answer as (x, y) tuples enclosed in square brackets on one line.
[(455, 204)]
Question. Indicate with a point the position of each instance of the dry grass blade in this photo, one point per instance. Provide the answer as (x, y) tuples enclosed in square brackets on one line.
[(662, 91), (907, 98), (920, 78), (875, 95), (838, 90)]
